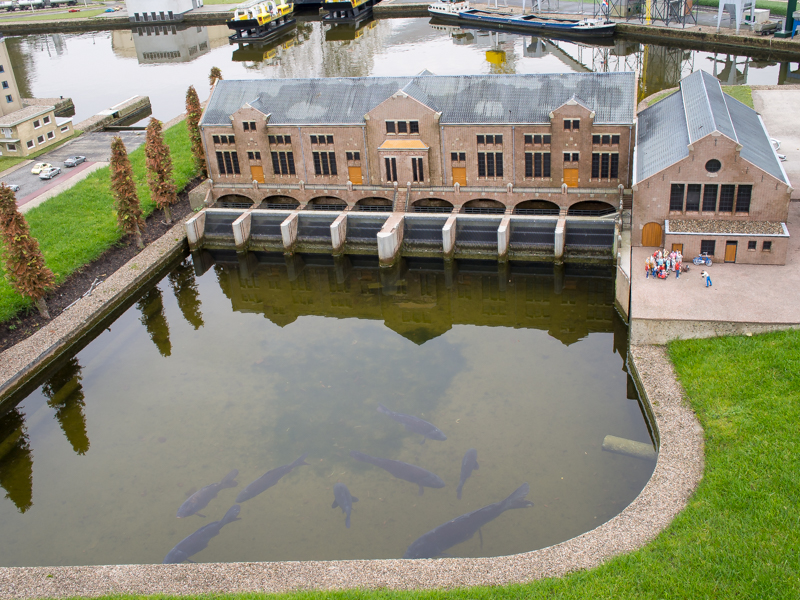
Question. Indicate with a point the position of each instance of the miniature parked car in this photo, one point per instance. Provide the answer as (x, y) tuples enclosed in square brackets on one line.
[(38, 167), (49, 173), (74, 10), (74, 161), (109, 10), (12, 186)]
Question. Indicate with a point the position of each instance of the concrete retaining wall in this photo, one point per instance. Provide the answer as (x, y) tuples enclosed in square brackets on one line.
[(662, 331)]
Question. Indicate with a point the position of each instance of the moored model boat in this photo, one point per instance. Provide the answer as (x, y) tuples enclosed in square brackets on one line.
[(538, 24), (347, 11), (447, 9), (261, 20)]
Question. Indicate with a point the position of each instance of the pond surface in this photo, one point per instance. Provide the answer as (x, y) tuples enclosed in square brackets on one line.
[(250, 363), (162, 63)]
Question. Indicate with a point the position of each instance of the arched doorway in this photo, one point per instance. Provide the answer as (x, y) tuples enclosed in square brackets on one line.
[(536, 207), (591, 208), (327, 203), (279, 203), (484, 206), (374, 204), (233, 201), (652, 233), (432, 205)]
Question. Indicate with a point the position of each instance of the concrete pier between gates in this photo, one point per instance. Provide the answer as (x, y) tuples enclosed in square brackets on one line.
[(390, 239)]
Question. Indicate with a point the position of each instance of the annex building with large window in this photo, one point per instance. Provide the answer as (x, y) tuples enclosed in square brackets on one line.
[(707, 179), (531, 144)]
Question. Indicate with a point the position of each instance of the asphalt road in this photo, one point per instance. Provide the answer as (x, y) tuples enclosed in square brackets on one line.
[(96, 147)]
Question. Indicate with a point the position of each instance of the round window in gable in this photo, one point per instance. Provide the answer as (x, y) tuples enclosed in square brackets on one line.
[(713, 165)]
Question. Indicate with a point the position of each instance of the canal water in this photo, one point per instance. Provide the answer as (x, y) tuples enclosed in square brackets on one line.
[(249, 363), (162, 62)]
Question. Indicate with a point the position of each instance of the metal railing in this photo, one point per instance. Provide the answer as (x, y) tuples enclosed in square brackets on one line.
[(432, 209), (278, 206), (477, 210), (232, 205), (537, 211), (335, 207), (373, 208), (591, 213)]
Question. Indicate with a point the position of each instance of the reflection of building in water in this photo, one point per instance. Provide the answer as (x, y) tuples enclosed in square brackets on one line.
[(663, 68), (420, 299), (148, 11), (459, 37), (123, 42), (169, 43), (268, 54)]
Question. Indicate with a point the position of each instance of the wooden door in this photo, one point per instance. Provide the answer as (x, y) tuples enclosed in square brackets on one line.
[(257, 173), (730, 252), (571, 177), (652, 234), (460, 176), (677, 248), (355, 175)]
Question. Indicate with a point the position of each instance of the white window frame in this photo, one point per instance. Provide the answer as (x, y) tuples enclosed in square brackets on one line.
[(40, 140), (37, 124), (51, 135), (11, 147), (65, 129), (30, 144), (46, 120)]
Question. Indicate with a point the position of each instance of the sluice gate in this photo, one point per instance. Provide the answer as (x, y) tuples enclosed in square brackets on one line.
[(590, 239)]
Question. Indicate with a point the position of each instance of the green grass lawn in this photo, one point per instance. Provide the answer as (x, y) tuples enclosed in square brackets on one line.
[(739, 537), (59, 16), (78, 225)]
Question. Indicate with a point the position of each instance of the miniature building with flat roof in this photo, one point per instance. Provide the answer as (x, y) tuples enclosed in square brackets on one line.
[(706, 178), (532, 144)]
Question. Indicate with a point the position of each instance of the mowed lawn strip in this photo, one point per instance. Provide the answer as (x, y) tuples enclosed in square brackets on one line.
[(739, 537), (77, 226)]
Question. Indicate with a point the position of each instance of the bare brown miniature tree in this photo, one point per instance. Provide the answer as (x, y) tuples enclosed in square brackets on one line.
[(24, 263), (159, 169), (214, 76), (123, 186), (193, 112)]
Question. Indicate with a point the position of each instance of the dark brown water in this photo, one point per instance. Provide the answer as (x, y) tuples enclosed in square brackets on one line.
[(259, 360)]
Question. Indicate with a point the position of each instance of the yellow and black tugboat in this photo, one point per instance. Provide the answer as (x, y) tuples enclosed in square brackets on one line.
[(260, 20), (347, 11)]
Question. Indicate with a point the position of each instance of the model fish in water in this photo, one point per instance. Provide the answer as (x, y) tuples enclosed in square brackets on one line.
[(460, 529), (268, 479), (189, 546), (415, 424), (344, 500), (413, 473), (468, 464), (202, 497)]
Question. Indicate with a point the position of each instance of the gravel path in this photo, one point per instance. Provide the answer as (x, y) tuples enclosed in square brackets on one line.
[(678, 471), (719, 226)]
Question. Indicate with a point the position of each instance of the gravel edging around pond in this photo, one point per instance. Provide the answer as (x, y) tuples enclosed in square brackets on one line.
[(21, 361), (676, 476)]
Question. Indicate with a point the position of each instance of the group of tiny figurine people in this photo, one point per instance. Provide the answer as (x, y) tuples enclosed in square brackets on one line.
[(662, 263)]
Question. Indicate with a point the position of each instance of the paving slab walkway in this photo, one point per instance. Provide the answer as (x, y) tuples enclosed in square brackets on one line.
[(742, 299)]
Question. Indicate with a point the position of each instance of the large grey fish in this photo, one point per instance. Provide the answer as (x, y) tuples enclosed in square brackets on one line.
[(191, 545), (268, 479), (413, 473), (468, 464), (460, 529), (415, 424), (203, 496), (344, 499)]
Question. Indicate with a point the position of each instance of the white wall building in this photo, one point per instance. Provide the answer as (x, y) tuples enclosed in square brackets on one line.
[(148, 11)]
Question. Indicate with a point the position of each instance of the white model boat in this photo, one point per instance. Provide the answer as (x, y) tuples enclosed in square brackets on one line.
[(444, 9)]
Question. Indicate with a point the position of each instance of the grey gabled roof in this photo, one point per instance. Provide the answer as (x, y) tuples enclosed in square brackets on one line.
[(460, 98), (416, 92), (704, 104), (661, 137), (666, 129)]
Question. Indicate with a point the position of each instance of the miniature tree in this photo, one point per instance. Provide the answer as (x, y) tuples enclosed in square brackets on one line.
[(129, 210), (25, 268), (193, 112), (214, 76), (159, 169)]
